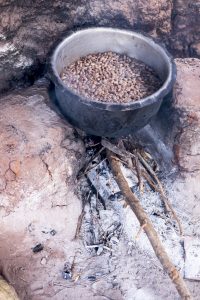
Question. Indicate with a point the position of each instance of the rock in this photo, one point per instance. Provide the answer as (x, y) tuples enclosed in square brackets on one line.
[(186, 102), (172, 137), (37, 248), (37, 189), (34, 159), (29, 32), (185, 27), (43, 261), (53, 232), (192, 258), (184, 190), (195, 49)]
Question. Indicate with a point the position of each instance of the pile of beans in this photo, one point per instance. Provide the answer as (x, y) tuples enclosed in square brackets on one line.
[(111, 77)]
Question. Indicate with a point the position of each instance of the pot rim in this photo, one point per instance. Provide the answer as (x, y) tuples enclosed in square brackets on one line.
[(160, 93)]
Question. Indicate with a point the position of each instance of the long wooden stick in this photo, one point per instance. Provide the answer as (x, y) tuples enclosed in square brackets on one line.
[(152, 235)]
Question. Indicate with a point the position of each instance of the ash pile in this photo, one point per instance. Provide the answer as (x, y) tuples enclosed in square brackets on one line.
[(106, 218)]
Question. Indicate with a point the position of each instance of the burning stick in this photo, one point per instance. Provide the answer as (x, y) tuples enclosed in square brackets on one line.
[(152, 235), (86, 167), (80, 218), (149, 180), (139, 175)]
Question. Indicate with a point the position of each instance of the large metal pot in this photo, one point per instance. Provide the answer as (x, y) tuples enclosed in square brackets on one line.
[(110, 119)]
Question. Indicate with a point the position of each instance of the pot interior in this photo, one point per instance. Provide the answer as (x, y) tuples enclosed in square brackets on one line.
[(96, 40)]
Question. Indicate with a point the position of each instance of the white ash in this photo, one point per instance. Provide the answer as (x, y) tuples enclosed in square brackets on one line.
[(100, 176), (129, 262), (6, 48), (23, 61), (111, 77), (102, 179), (101, 228), (100, 222), (2, 37), (192, 258)]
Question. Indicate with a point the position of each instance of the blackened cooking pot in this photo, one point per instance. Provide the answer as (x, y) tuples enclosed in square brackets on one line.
[(110, 119)]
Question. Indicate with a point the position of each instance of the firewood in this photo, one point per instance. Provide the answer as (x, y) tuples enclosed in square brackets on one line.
[(159, 188), (148, 228)]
